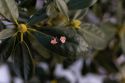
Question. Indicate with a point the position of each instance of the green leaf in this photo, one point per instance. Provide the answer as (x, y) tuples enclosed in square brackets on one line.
[(45, 39), (61, 5), (93, 35), (6, 33), (9, 9), (38, 47), (27, 3), (37, 17), (80, 4), (75, 45), (23, 62), (66, 1), (110, 31), (6, 49)]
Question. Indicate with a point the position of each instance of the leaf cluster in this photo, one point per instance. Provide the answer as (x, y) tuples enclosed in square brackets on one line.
[(45, 23)]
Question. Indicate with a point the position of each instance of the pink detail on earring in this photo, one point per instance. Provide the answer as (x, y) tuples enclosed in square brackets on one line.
[(63, 39), (53, 41)]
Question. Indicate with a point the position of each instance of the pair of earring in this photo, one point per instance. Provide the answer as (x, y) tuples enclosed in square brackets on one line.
[(54, 40)]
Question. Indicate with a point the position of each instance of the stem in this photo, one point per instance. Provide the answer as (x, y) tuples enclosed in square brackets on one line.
[(16, 22), (21, 37)]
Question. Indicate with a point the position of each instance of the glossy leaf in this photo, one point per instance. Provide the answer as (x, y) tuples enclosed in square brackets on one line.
[(94, 36), (37, 17), (45, 39), (23, 62), (74, 45), (6, 49), (80, 4), (29, 5), (9, 9), (37, 46), (6, 33)]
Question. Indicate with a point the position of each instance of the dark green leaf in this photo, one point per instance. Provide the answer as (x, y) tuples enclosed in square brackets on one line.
[(80, 4), (74, 45), (38, 47), (29, 5), (6, 49), (45, 39), (23, 63), (66, 1), (9, 9), (37, 17)]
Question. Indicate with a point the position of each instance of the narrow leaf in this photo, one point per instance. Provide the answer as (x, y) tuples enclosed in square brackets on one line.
[(6, 49), (80, 4), (38, 47), (23, 62), (61, 5), (37, 17), (6, 33)]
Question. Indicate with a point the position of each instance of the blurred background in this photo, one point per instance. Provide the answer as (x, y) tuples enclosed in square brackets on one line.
[(103, 66)]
